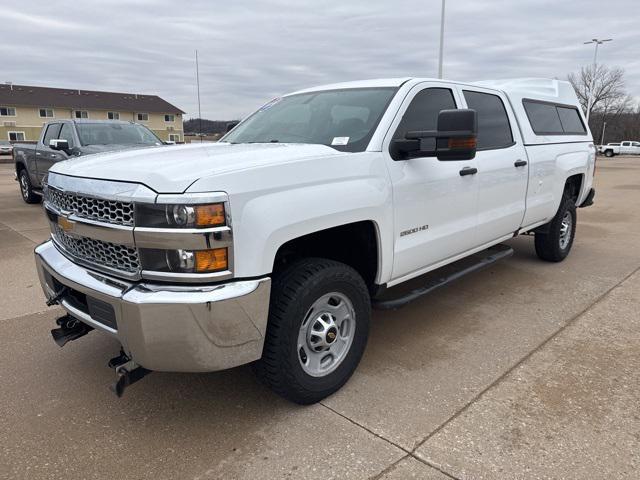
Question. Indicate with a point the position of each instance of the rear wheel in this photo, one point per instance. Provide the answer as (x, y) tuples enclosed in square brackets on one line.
[(554, 244), (317, 331), (28, 195)]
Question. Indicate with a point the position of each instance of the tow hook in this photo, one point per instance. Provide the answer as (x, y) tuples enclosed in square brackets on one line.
[(127, 373), (56, 297), (70, 329)]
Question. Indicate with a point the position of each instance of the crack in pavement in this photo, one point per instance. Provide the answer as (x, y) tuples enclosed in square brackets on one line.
[(411, 453)]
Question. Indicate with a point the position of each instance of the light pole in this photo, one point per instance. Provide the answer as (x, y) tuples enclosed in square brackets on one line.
[(199, 108), (593, 74), (604, 126), (441, 40)]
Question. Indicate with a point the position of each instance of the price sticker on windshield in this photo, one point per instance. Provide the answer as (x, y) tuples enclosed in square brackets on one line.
[(340, 140)]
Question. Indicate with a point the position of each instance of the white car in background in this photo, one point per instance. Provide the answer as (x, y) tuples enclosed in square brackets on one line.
[(5, 147), (627, 147)]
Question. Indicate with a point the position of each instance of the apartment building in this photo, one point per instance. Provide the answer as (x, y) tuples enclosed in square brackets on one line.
[(24, 109)]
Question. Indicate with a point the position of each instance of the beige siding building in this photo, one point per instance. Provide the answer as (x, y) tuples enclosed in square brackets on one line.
[(24, 109)]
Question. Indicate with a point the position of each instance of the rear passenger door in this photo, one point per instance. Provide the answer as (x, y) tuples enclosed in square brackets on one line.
[(502, 166)]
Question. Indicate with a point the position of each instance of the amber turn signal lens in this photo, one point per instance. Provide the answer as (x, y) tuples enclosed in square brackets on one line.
[(469, 142), (210, 215), (211, 260)]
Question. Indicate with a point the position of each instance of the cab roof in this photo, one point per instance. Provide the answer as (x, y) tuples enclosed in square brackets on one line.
[(552, 90)]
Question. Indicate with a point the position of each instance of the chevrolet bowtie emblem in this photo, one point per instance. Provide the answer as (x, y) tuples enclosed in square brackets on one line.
[(65, 224)]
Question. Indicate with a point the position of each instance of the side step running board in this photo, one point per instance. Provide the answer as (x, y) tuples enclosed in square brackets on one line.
[(492, 255)]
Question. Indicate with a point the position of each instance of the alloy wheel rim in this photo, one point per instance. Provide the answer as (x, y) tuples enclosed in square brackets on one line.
[(24, 186), (565, 230), (326, 334)]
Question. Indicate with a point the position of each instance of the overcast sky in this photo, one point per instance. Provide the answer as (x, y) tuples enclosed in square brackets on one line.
[(252, 51)]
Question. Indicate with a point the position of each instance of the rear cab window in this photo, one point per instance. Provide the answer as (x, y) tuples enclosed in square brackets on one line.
[(548, 118), (494, 128)]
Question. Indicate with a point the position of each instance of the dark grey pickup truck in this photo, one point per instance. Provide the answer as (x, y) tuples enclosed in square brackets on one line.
[(65, 139)]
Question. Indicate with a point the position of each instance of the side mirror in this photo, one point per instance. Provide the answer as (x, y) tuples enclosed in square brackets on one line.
[(232, 125), (455, 138), (59, 144)]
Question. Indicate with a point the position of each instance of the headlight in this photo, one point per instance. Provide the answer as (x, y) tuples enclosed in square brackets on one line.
[(180, 216), (185, 261)]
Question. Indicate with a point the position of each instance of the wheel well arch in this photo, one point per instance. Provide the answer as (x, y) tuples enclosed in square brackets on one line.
[(20, 166), (573, 186), (356, 244)]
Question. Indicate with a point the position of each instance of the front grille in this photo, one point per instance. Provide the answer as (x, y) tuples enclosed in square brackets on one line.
[(98, 252), (110, 211)]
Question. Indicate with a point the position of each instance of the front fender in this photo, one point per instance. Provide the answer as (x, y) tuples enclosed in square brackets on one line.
[(271, 206)]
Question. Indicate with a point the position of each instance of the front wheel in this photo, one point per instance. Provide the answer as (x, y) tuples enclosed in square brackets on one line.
[(26, 189), (317, 331), (555, 243), (608, 153)]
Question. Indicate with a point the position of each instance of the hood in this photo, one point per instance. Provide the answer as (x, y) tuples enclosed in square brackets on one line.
[(91, 149), (171, 169)]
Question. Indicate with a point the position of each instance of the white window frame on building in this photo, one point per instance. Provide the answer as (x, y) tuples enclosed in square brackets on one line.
[(46, 112), (8, 111), (16, 135), (174, 137), (113, 115), (81, 114), (142, 117), (169, 118)]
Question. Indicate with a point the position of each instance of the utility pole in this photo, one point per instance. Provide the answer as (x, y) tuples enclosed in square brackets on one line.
[(441, 40), (593, 73), (604, 126), (199, 108)]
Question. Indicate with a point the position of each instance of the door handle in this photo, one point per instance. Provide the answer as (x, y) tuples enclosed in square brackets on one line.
[(520, 163), (37, 154), (468, 171)]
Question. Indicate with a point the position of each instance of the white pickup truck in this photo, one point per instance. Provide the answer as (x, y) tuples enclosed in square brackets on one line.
[(272, 245), (627, 147)]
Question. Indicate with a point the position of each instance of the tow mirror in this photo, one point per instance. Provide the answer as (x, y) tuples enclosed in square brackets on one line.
[(59, 144), (455, 138)]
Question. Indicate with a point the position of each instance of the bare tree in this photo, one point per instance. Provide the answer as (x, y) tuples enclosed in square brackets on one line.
[(609, 91)]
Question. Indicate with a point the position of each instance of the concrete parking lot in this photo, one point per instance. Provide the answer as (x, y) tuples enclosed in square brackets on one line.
[(524, 370)]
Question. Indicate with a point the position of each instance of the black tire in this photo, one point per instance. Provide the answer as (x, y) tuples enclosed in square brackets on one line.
[(550, 243), (608, 153), (293, 293), (26, 189)]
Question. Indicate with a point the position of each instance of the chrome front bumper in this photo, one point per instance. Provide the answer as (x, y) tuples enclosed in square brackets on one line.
[(178, 328)]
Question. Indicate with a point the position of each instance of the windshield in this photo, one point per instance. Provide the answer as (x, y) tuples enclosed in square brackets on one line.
[(342, 119), (115, 134)]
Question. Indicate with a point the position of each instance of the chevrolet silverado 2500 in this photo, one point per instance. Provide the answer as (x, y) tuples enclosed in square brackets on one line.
[(272, 245), (620, 148), (63, 139)]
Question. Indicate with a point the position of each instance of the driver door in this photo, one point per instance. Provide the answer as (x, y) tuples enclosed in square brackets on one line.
[(435, 213), (45, 155)]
